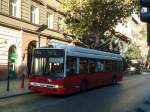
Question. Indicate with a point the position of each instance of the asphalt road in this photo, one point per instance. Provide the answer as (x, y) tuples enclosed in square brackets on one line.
[(124, 97)]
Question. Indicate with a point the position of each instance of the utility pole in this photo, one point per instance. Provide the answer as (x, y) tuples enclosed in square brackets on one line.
[(148, 34)]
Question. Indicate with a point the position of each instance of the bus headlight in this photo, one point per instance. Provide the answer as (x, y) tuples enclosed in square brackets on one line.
[(59, 86)]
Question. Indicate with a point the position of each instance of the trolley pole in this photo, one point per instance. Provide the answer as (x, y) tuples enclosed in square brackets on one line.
[(39, 30), (39, 38)]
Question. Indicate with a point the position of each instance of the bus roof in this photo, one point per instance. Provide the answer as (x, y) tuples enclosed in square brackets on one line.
[(91, 53), (88, 53)]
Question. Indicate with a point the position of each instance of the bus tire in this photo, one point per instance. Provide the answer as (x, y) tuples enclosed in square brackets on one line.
[(114, 80), (83, 86)]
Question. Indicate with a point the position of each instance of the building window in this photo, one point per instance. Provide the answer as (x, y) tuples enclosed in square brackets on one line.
[(15, 8), (34, 15), (60, 24), (50, 18)]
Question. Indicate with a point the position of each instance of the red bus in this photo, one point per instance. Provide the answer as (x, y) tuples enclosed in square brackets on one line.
[(72, 69)]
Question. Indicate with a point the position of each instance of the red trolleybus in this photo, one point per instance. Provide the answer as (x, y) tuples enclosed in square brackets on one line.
[(71, 69)]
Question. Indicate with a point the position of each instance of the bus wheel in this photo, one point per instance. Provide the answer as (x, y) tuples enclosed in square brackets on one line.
[(83, 86), (114, 80)]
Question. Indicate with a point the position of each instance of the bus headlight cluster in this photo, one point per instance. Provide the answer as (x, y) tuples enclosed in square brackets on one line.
[(46, 85), (58, 86)]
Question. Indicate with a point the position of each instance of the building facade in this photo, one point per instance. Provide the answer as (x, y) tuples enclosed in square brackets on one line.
[(137, 32), (19, 20), (139, 36)]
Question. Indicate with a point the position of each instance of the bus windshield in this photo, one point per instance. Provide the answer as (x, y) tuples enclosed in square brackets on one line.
[(50, 65)]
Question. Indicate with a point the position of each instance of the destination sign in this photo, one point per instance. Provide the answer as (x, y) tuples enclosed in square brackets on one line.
[(48, 52)]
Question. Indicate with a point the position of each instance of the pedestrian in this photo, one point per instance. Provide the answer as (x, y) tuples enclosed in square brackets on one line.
[(23, 74)]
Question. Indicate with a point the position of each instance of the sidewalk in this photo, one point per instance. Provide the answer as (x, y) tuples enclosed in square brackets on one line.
[(15, 88)]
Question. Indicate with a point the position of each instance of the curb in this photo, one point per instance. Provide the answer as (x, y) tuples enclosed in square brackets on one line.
[(15, 95)]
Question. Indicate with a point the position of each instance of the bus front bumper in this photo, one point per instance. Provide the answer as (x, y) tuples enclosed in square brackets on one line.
[(47, 88)]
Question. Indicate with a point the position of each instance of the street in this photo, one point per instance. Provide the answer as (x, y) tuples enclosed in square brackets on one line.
[(123, 97)]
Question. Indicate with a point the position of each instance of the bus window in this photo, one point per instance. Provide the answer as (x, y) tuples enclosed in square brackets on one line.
[(92, 66), (83, 65), (48, 63), (120, 65), (53, 67), (115, 66), (108, 65), (71, 65), (100, 66)]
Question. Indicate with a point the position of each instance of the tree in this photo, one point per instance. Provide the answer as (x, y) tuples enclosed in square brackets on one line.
[(132, 56), (95, 17), (133, 53)]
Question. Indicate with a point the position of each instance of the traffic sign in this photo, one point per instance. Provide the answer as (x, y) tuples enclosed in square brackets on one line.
[(145, 14)]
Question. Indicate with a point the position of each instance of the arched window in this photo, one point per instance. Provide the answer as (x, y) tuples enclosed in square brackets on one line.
[(12, 59)]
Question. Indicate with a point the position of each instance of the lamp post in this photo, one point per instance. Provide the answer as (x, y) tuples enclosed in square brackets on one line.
[(8, 78), (39, 30)]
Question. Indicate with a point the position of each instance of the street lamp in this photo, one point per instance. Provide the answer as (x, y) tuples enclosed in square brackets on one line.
[(39, 30)]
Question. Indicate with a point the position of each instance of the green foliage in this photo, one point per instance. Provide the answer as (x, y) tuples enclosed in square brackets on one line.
[(133, 53), (97, 16), (133, 57)]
